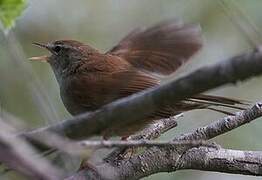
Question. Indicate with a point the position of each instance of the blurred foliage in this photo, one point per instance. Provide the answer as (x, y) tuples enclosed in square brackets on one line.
[(102, 24), (9, 11)]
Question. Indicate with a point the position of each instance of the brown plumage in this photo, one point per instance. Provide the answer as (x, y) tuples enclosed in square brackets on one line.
[(89, 79)]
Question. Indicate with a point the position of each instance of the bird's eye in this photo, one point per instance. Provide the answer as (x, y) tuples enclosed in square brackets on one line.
[(57, 49)]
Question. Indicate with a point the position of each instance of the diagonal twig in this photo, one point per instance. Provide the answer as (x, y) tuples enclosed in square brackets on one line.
[(224, 125), (152, 131)]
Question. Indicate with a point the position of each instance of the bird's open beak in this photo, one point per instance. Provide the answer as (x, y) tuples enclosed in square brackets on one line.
[(40, 58)]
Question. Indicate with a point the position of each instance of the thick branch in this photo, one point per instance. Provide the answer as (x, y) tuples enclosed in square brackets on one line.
[(223, 160), (131, 109), (156, 160)]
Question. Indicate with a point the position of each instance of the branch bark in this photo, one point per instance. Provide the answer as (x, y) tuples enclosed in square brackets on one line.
[(222, 160)]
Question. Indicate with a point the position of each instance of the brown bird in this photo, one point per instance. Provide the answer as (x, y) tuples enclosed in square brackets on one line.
[(89, 79)]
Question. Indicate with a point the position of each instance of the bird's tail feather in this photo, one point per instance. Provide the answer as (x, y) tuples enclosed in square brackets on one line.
[(214, 103)]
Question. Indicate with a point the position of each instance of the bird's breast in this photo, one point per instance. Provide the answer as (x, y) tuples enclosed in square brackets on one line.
[(75, 97), (85, 93)]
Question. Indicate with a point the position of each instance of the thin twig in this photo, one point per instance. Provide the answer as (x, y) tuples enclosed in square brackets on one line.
[(139, 143), (156, 129)]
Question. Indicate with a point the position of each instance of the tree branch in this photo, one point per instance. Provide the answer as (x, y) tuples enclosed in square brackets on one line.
[(224, 125), (167, 159), (222, 160), (132, 110)]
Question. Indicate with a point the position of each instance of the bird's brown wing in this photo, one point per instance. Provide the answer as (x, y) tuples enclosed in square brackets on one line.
[(162, 48), (125, 83), (133, 82), (104, 86), (99, 88)]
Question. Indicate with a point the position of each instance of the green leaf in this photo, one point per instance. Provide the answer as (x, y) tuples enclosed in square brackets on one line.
[(9, 11)]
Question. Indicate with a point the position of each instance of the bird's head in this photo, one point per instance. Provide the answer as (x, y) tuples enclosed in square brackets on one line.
[(64, 54)]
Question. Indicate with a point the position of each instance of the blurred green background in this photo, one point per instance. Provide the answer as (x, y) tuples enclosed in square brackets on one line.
[(29, 91)]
